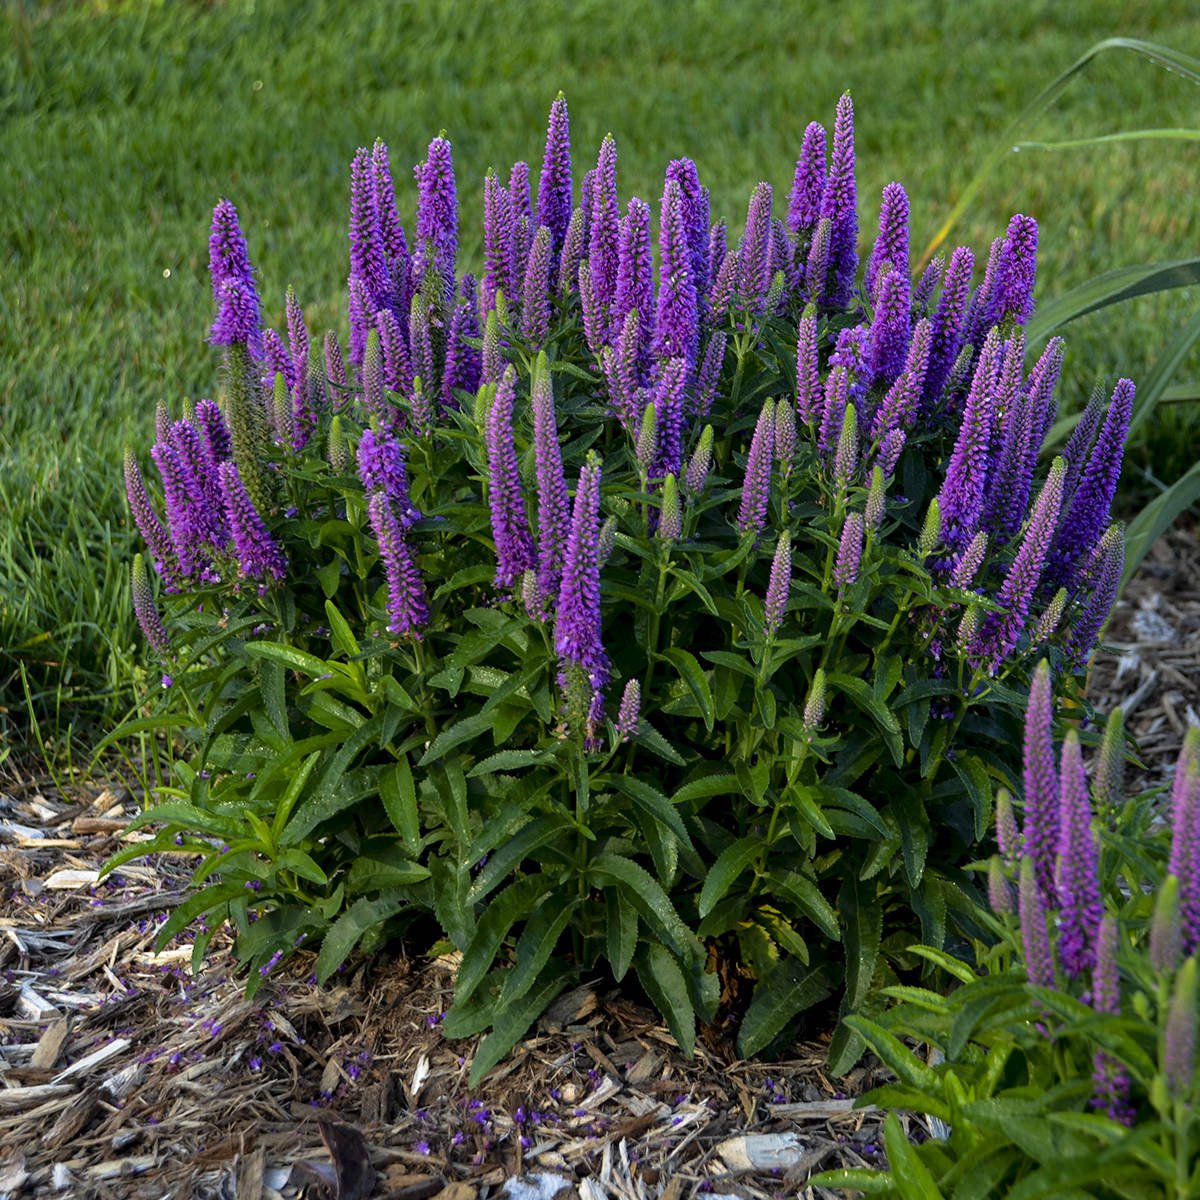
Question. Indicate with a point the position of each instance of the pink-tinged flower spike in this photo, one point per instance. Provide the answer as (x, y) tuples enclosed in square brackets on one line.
[(1002, 631), (720, 296), (554, 202), (961, 496), (700, 463), (437, 209), (1017, 270), (1088, 513), (833, 413), (927, 285), (891, 246), (158, 541), (397, 365), (1000, 890), (891, 328), (845, 458), (709, 374), (1166, 936), (1043, 380), (1050, 619), (1179, 1037), (1041, 782), (233, 285), (595, 327), (1184, 861), (816, 268), (635, 276), (1109, 1077), (492, 361), (849, 555), (361, 316), (839, 202), (778, 586), (1035, 940), (754, 268), (756, 486), (948, 326), (695, 220), (461, 368), (814, 704), (628, 715), (1008, 836), (497, 239), (368, 249), (1080, 908), (299, 344), (577, 635), (335, 367), (808, 184), (669, 395), (676, 326), (785, 435), (515, 552), (604, 225), (535, 293), (395, 244), (407, 606), (258, 554), (810, 401), (970, 561), (275, 360), (554, 512), (898, 409), (1088, 626), (382, 467), (573, 250), (146, 610)]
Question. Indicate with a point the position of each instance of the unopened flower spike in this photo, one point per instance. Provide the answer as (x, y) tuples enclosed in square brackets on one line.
[(845, 459), (1184, 860), (876, 505), (931, 530), (1041, 782), (146, 610), (628, 714), (1179, 1037), (535, 303), (1166, 936), (1051, 618), (785, 434), (700, 462), (670, 517), (574, 249), (778, 585), (814, 705), (1035, 940), (1000, 890), (809, 396), (1008, 836), (646, 447), (849, 555)]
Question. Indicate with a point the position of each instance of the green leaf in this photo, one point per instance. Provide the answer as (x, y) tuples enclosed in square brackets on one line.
[(725, 872), (856, 1179), (706, 787), (461, 731), (201, 902), (289, 656), (621, 932), (948, 963), (516, 901), (646, 735), (978, 786), (660, 975), (341, 636), (512, 1023), (862, 927), (896, 1055), (295, 787), (271, 688), (328, 801), (399, 797), (885, 721), (687, 582), (346, 932), (913, 1180), (538, 939), (302, 864), (189, 817), (804, 893), (697, 682), (1153, 520), (512, 853), (790, 988), (651, 801), (608, 869), (510, 760), (383, 868), (914, 832)]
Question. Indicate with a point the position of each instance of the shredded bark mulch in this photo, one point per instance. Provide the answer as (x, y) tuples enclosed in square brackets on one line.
[(123, 1075)]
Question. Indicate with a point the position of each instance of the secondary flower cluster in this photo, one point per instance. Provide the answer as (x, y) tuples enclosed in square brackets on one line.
[(884, 367), (1055, 859)]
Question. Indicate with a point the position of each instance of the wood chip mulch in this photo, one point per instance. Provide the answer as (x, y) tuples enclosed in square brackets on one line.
[(123, 1075)]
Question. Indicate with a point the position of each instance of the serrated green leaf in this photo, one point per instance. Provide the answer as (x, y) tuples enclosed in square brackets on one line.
[(510, 1024), (536, 944), (646, 735), (725, 872), (341, 636), (510, 760), (861, 920), (896, 1055), (295, 788), (348, 930), (705, 788), (512, 853), (864, 698), (194, 906), (697, 682), (638, 886), (271, 688), (399, 797), (461, 731), (913, 1180), (789, 989), (289, 656), (516, 901), (659, 974), (978, 785), (651, 801), (805, 894), (621, 932)]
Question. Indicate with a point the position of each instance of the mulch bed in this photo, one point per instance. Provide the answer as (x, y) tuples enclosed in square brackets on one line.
[(123, 1075)]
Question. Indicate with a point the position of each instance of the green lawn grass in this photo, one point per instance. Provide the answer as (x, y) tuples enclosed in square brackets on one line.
[(121, 124)]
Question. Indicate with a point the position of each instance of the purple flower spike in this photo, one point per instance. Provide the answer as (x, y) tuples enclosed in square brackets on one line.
[(756, 486), (898, 409), (1179, 1036), (146, 610), (1087, 627), (1002, 631), (554, 203), (948, 326), (676, 327), (604, 225), (408, 609), (1043, 379), (1110, 1079), (162, 550), (397, 365), (810, 400), (1185, 839), (535, 292), (891, 246), (515, 552), (497, 238), (891, 328), (1041, 783), (849, 555), (718, 238), (382, 467), (628, 714), (700, 463), (808, 184), (970, 561), (577, 637), (695, 221), (553, 506), (816, 268), (635, 276), (839, 202), (573, 250), (368, 250), (1008, 837), (1088, 512), (709, 374), (1035, 940), (778, 586), (668, 408), (890, 450), (1078, 880), (595, 327), (961, 497), (189, 518), (754, 268), (232, 282), (720, 295), (395, 244), (1018, 270), (258, 554), (335, 367), (833, 413), (927, 285), (437, 209)]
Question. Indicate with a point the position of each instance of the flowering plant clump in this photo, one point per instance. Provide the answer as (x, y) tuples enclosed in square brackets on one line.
[(1068, 1066), (596, 614)]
